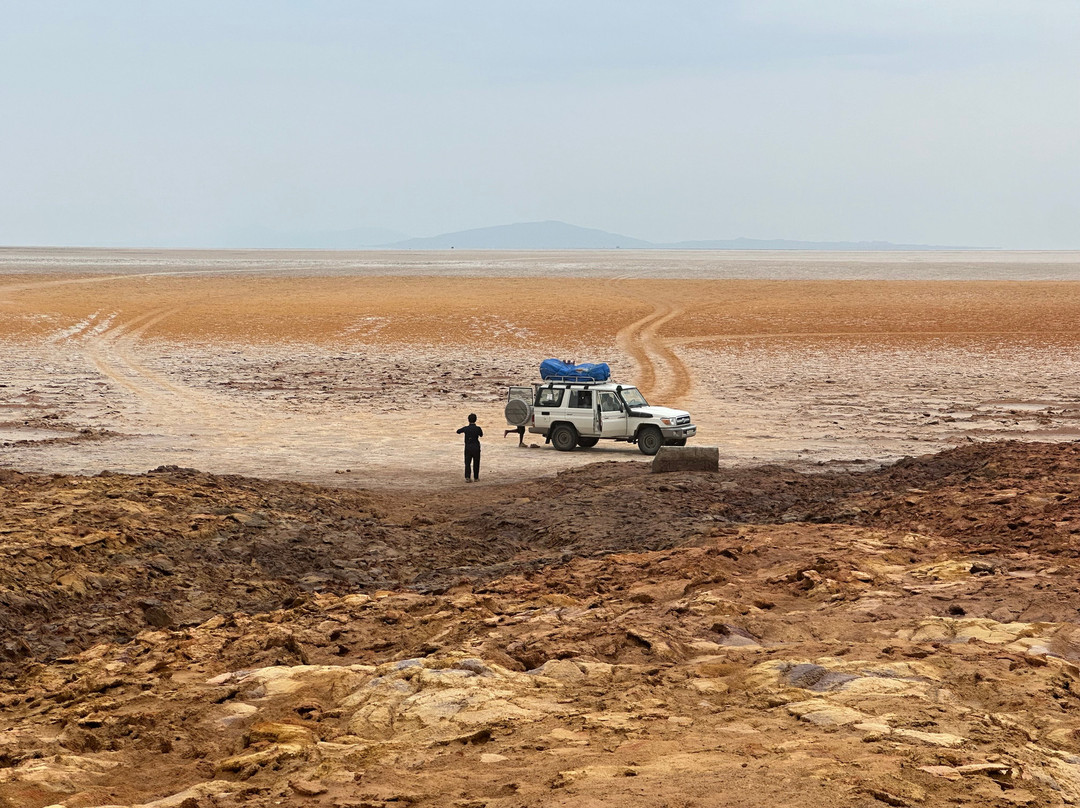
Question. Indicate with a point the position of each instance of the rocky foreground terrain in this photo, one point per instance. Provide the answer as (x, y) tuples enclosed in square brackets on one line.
[(902, 636)]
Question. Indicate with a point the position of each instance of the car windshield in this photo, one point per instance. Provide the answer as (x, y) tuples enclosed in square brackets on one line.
[(633, 398)]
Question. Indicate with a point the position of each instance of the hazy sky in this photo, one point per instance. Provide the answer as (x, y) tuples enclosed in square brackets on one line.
[(187, 123)]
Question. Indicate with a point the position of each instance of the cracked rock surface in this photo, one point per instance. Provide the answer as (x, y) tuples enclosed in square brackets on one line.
[(755, 636)]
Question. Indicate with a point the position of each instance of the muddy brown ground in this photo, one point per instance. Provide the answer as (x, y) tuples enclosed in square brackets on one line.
[(901, 636)]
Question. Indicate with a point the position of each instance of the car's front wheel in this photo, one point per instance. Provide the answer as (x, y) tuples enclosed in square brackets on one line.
[(564, 437), (650, 440)]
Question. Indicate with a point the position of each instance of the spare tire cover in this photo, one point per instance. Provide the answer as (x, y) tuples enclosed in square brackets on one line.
[(518, 412)]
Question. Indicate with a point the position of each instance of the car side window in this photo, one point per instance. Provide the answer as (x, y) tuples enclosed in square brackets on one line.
[(608, 402), (549, 397), (581, 399)]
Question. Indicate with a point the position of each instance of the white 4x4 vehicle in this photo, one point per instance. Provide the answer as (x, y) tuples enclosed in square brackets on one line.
[(579, 413)]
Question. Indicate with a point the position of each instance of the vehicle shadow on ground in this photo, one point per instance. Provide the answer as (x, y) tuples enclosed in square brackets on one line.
[(616, 449)]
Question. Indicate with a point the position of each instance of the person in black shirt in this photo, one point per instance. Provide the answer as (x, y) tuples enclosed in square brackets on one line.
[(472, 434)]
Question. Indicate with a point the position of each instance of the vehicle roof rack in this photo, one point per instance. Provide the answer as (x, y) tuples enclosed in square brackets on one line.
[(576, 379)]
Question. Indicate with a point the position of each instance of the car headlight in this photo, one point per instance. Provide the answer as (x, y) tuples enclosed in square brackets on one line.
[(665, 421)]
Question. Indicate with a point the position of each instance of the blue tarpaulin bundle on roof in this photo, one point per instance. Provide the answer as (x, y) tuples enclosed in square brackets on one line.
[(586, 372)]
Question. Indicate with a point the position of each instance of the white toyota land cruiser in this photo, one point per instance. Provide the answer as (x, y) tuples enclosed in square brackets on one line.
[(580, 413)]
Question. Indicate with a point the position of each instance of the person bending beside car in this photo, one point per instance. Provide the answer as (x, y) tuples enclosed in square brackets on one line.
[(520, 433), (472, 434)]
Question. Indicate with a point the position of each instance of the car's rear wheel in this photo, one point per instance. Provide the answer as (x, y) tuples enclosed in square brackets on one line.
[(650, 440), (587, 443), (564, 437)]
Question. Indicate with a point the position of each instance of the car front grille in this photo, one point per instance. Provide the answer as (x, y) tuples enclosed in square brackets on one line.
[(682, 419)]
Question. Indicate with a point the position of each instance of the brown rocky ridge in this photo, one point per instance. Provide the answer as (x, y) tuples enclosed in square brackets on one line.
[(904, 635)]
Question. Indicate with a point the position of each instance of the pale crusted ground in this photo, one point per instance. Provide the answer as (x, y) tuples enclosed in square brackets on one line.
[(364, 379)]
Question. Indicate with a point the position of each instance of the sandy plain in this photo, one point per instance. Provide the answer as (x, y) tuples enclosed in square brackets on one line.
[(357, 368)]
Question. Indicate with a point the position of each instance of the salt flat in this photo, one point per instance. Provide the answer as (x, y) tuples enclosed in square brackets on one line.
[(356, 368)]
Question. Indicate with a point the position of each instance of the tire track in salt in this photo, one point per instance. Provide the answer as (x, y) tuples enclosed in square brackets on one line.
[(661, 373), (677, 379), (109, 347), (47, 284), (110, 351), (113, 352), (216, 418), (630, 339)]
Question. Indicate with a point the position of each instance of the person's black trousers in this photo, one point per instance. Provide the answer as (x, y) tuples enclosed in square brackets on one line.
[(472, 454)]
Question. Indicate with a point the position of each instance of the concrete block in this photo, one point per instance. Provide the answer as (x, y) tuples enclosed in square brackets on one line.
[(686, 458)]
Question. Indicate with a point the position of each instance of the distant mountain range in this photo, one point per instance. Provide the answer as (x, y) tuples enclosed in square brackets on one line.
[(562, 236), (525, 236), (548, 235)]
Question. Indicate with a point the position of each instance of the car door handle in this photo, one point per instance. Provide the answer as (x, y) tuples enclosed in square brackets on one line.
[(545, 413)]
